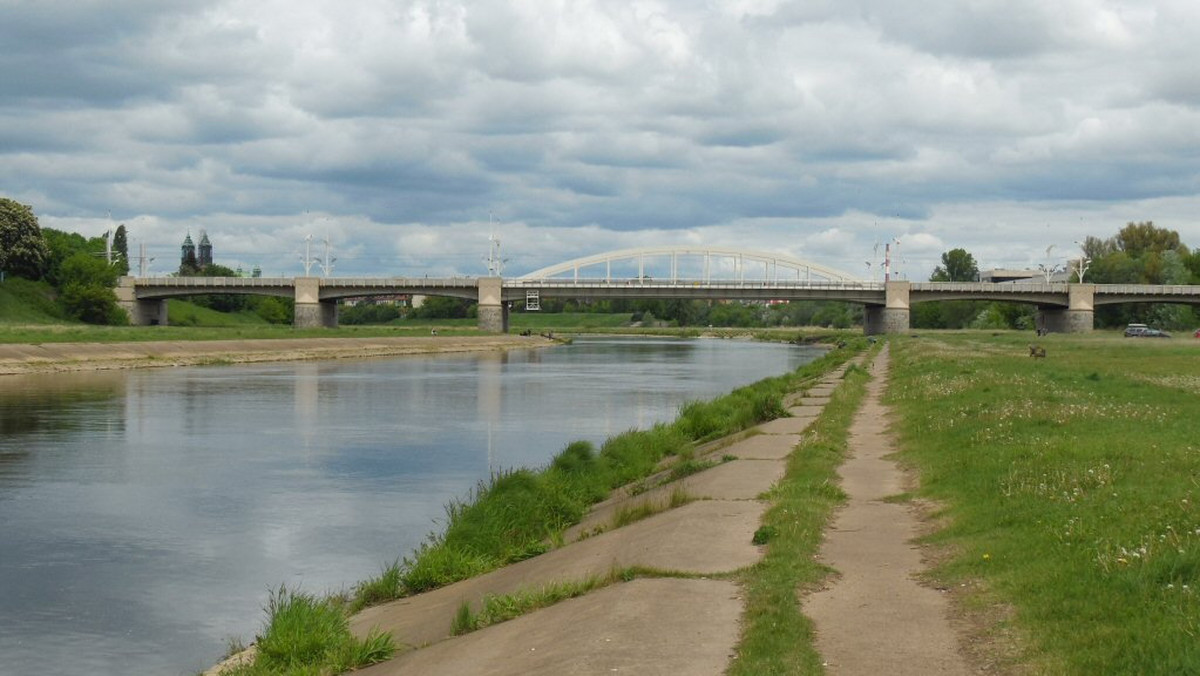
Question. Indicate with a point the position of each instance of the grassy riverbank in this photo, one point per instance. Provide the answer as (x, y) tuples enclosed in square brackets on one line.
[(1069, 488), (523, 513)]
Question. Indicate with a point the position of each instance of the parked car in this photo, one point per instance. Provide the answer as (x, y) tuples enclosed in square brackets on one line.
[(1143, 331), (1134, 330)]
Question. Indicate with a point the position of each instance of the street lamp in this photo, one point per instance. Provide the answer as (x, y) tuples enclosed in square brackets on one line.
[(1082, 265)]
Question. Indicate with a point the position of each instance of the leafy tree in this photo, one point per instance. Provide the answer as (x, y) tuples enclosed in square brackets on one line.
[(275, 310), (1136, 239), (64, 245), (23, 250), (443, 307), (120, 247), (368, 313), (957, 266), (86, 290)]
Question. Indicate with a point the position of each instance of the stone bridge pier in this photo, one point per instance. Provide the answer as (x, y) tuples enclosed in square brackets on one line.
[(893, 315), (1077, 317), (493, 311), (151, 312), (311, 311)]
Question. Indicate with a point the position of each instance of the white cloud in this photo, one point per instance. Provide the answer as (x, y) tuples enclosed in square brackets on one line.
[(812, 128)]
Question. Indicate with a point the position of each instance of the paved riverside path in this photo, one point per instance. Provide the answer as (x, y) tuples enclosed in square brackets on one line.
[(876, 618), (649, 626)]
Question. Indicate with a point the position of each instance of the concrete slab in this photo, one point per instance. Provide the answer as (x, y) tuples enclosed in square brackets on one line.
[(659, 627), (785, 426), (765, 446), (734, 480), (820, 391), (805, 411), (704, 537)]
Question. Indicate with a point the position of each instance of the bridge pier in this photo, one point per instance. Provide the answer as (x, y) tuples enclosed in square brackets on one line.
[(893, 315), (311, 311), (1077, 317), (492, 311), (141, 312)]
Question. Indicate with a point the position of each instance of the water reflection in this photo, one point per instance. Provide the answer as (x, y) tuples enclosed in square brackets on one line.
[(145, 514)]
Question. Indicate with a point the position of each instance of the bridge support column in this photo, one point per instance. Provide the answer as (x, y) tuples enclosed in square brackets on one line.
[(311, 311), (492, 312), (893, 316), (1077, 317), (151, 312)]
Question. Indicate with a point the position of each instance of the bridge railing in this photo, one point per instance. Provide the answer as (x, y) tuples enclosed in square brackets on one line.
[(213, 282), (991, 287), (584, 282), (1147, 289)]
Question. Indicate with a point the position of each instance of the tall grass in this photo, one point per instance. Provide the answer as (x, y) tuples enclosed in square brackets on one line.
[(307, 635), (1070, 487)]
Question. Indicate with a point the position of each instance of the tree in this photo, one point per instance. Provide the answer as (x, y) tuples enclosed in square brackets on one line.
[(442, 307), (120, 247), (86, 290), (957, 266), (23, 250), (1137, 239)]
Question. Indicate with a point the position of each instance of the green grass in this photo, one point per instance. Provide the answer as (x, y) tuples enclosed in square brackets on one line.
[(184, 313), (627, 514), (566, 321), (776, 637), (1069, 485), (23, 302), (306, 635), (497, 608)]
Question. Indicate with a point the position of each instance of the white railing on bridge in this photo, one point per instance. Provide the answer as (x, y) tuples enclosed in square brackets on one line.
[(600, 282)]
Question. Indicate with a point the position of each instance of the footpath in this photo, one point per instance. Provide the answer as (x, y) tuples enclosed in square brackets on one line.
[(876, 618)]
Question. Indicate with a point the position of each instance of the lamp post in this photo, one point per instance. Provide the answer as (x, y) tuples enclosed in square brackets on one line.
[(1082, 265)]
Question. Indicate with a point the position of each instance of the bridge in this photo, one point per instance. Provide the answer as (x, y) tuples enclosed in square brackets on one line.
[(690, 273)]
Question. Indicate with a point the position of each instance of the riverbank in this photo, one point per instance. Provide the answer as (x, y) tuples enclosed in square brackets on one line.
[(692, 503), (56, 357)]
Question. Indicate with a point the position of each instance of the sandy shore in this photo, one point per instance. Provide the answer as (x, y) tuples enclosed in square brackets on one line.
[(54, 357)]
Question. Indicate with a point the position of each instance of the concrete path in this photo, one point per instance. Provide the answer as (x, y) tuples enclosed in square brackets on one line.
[(876, 618), (646, 626)]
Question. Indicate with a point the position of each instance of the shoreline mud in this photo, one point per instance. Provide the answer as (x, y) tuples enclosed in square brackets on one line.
[(21, 359)]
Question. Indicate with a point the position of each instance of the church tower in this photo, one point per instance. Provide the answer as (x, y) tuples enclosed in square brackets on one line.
[(187, 253), (205, 250)]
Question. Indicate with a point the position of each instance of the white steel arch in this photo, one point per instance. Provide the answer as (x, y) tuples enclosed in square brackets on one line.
[(772, 264)]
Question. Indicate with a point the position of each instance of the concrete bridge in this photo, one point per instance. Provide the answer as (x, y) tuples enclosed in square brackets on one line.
[(724, 274)]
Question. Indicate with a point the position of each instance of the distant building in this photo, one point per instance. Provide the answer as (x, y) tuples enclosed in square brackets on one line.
[(205, 250), (187, 254)]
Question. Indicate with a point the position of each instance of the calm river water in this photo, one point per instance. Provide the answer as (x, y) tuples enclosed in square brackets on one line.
[(145, 514)]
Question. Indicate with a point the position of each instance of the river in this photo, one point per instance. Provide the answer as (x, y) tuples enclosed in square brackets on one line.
[(144, 515)]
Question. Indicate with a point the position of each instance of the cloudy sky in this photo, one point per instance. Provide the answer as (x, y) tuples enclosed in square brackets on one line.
[(406, 132)]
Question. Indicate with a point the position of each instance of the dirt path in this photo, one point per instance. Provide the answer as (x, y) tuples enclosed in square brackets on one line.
[(875, 618)]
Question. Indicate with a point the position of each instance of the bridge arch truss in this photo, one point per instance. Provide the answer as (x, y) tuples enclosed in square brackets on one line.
[(705, 264)]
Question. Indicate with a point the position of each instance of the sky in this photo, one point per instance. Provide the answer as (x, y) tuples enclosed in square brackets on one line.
[(406, 133)]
